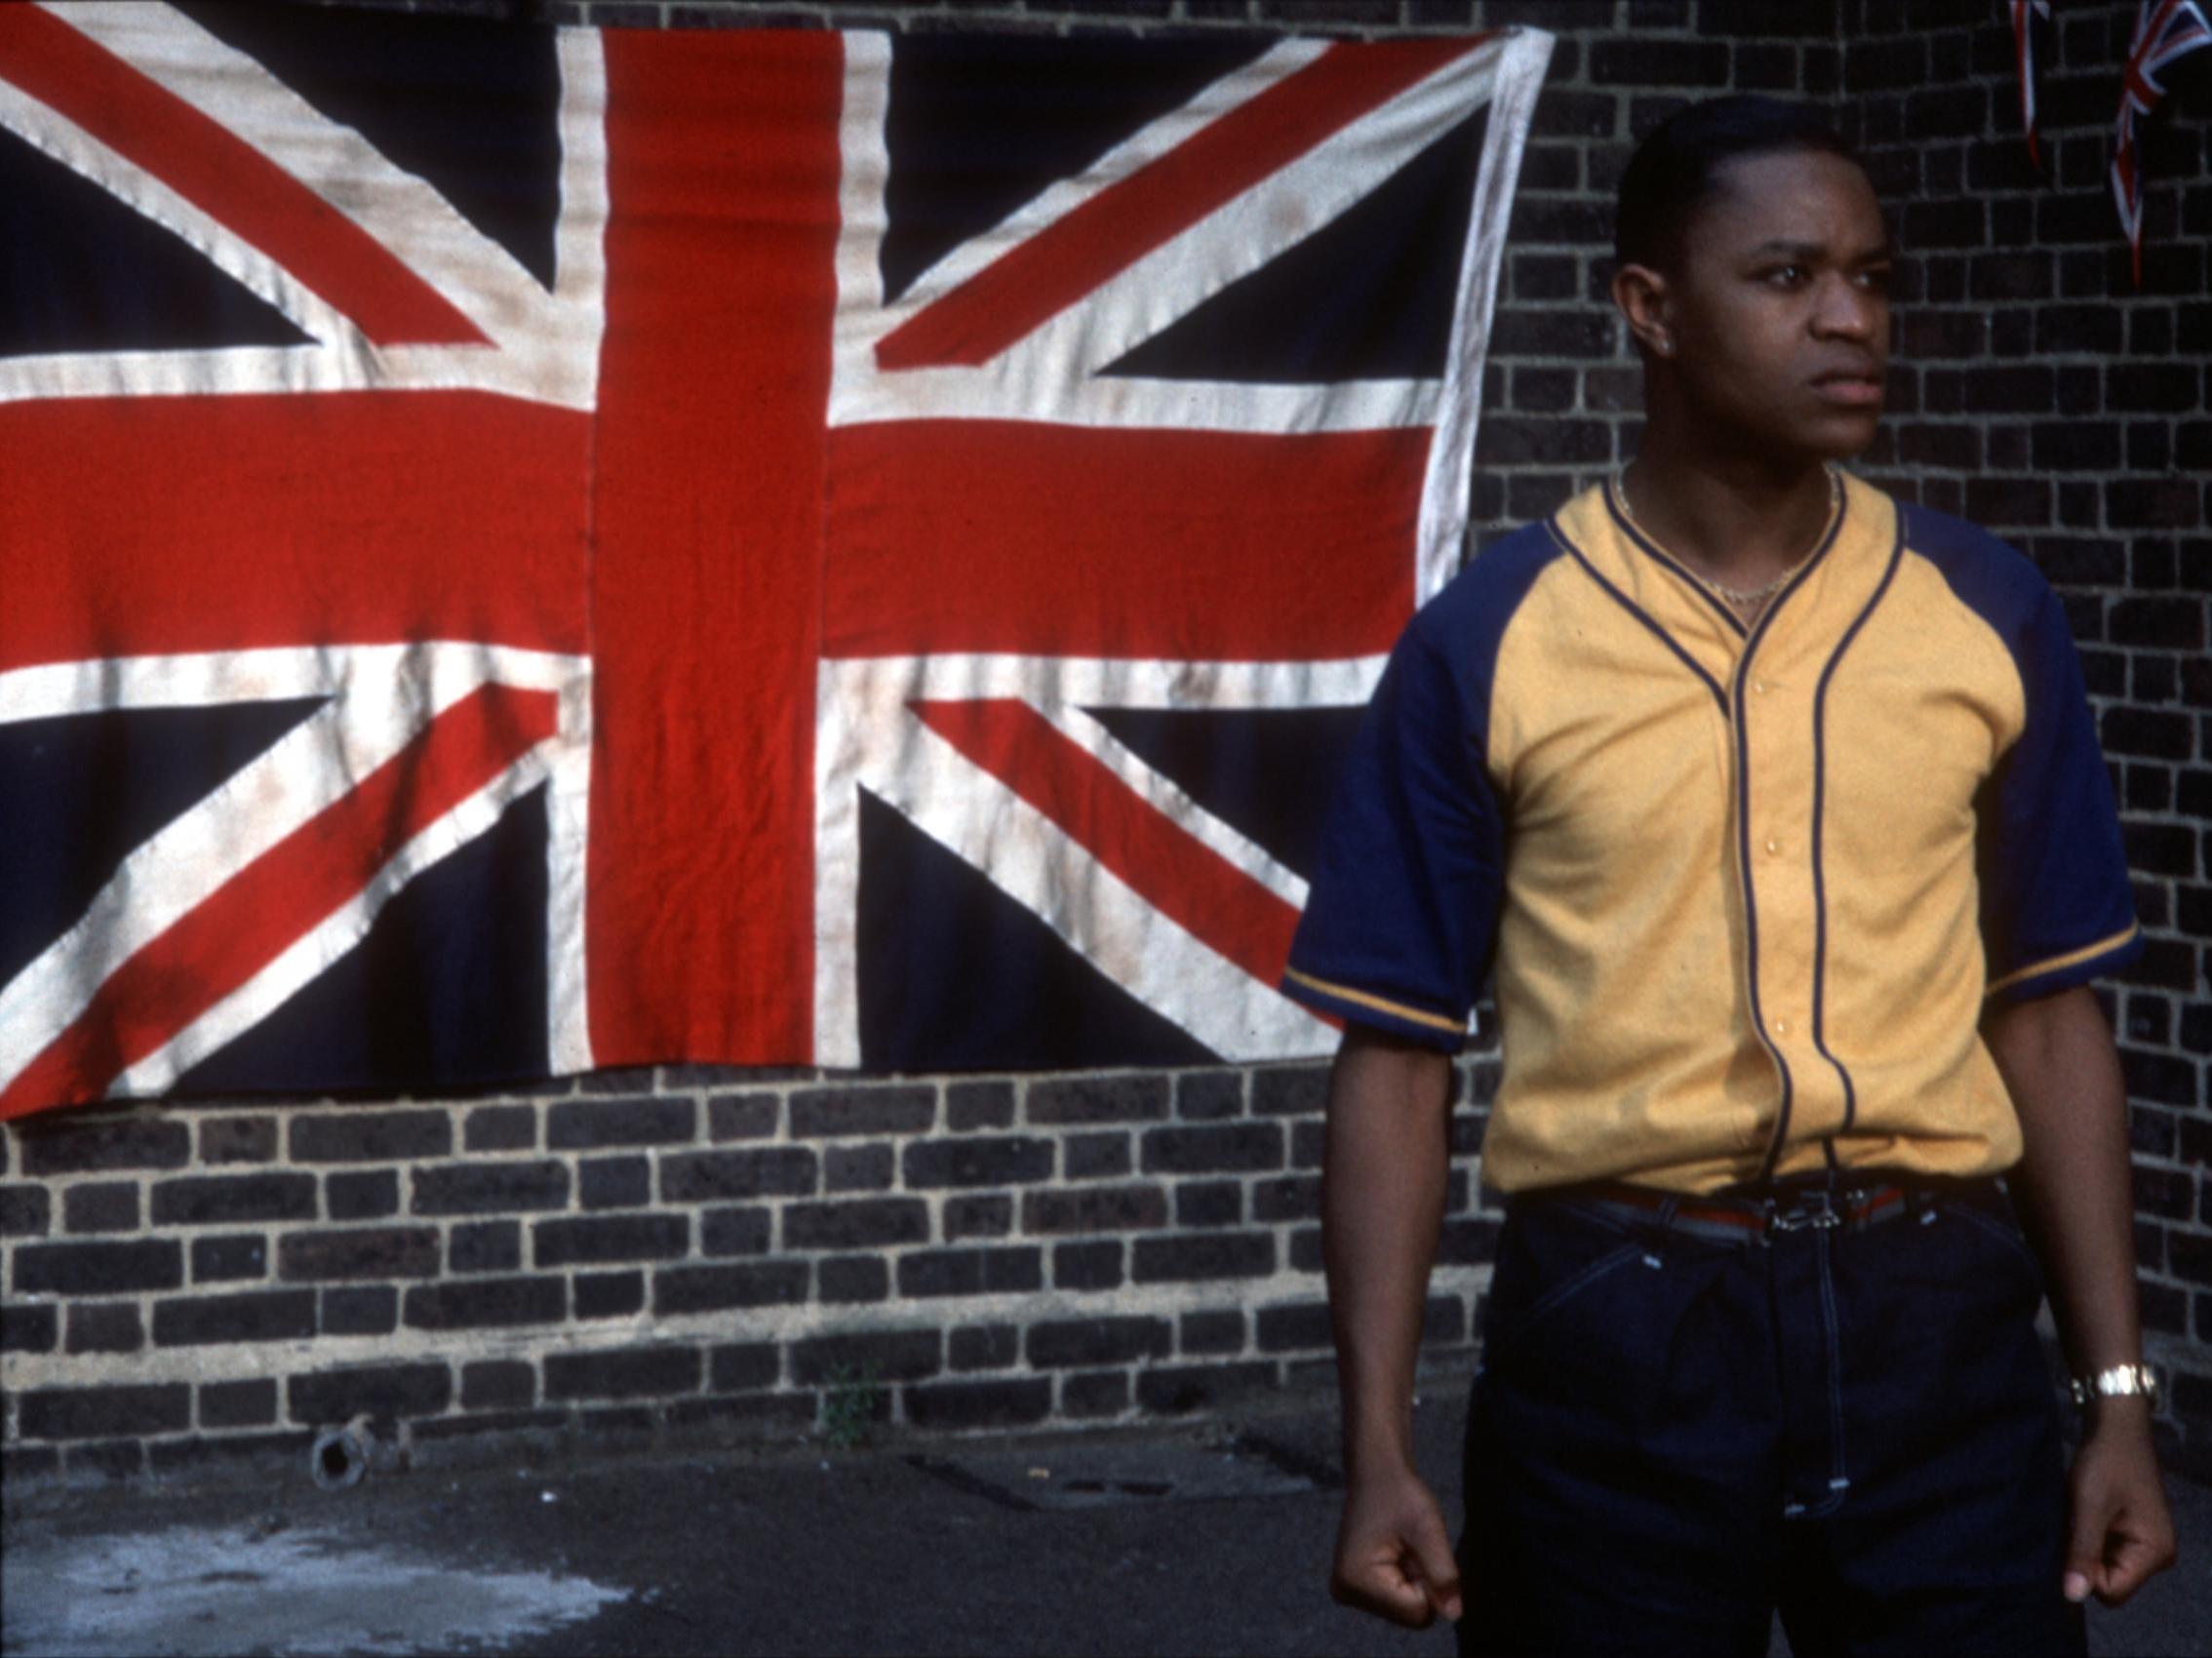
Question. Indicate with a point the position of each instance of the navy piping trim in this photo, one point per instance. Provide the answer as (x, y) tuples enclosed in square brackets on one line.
[(1743, 831), (1719, 697), (1819, 802), (1651, 547)]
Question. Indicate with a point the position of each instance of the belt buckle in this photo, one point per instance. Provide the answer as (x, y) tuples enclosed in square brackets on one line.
[(1802, 1218)]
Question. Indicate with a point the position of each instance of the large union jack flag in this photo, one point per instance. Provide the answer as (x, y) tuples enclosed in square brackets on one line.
[(524, 550)]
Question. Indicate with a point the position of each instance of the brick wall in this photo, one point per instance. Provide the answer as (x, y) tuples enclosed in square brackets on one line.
[(689, 1250)]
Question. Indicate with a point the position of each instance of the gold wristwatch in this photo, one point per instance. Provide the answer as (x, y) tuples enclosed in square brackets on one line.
[(2121, 1381)]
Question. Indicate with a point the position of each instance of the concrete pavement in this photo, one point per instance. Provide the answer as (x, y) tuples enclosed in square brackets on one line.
[(1195, 1539)]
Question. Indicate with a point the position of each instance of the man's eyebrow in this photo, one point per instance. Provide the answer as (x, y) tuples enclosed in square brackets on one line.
[(1814, 251)]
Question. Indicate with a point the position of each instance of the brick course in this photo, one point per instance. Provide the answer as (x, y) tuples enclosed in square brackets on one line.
[(987, 1251)]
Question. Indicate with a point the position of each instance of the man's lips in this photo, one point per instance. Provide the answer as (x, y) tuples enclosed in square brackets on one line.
[(1849, 388)]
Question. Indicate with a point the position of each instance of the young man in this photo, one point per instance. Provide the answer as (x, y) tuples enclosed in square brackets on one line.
[(1778, 806)]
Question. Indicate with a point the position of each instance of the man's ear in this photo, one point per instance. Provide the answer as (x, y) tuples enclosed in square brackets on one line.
[(1641, 295)]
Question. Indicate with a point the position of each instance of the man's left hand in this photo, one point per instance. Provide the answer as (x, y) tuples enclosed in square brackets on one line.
[(2122, 1531)]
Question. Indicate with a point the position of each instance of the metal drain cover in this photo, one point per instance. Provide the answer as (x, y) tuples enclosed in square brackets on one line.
[(1080, 1476)]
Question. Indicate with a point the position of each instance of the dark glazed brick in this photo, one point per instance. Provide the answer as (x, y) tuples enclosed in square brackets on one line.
[(500, 1128), (80, 1147), (1294, 1197), (484, 1246), (708, 1290), (1207, 1096), (846, 1280), (818, 1113), (26, 1328), (977, 1217), (609, 1238), (121, 1459), (1095, 1157), (105, 1326), (1225, 1254), (198, 1200), (588, 1123), (1659, 62), (482, 1302), (364, 1310), (635, 1372), (93, 1413), (741, 1117), (743, 1366), (238, 1139), (980, 1404), (695, 1177), (979, 1105), (1306, 1142), (233, 1255), (362, 1195), (1094, 1209), (1301, 1324), (204, 1320), (25, 1212), (101, 1205), (1208, 1203), (734, 1232), (969, 1272), (479, 1188), (1210, 1334), (1175, 1389), (1291, 1091), (497, 1384), (861, 1224), (985, 1346), (858, 1169), (614, 1183), (374, 1251), (1099, 1099), (1086, 1266), (1094, 1393), (609, 1295), (1008, 1161), (1244, 1147), (893, 1355), (1063, 1344), (372, 1137), (389, 1392), (98, 1269), (238, 1404)]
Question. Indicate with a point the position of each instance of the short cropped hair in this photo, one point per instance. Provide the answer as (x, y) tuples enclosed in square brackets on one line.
[(1680, 162)]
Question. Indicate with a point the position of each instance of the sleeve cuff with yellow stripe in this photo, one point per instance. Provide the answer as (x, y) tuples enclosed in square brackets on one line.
[(1400, 1017), (2053, 973)]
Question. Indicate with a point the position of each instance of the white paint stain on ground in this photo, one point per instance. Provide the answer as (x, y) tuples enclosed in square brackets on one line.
[(200, 1592)]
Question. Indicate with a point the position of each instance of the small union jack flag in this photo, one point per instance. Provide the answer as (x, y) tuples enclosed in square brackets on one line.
[(2165, 31), (2024, 64)]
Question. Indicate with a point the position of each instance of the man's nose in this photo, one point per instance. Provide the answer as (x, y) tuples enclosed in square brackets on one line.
[(1846, 310)]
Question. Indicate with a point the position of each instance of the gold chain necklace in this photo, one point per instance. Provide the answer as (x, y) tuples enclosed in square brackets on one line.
[(1746, 597)]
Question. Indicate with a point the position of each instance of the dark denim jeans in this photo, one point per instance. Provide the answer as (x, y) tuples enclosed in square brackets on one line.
[(1670, 1438)]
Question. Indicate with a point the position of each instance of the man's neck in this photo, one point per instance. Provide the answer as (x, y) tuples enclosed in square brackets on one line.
[(1739, 519)]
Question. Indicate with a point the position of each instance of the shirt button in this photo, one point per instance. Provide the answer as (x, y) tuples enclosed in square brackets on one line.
[(1781, 1027), (1758, 685), (1773, 844)]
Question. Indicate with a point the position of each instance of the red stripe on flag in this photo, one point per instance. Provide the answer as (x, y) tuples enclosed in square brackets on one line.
[(951, 536), (141, 527), (217, 948), (225, 177), (723, 171), (1187, 880), (1028, 285)]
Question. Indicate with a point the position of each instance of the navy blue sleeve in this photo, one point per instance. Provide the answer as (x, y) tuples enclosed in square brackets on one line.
[(1399, 927), (2057, 909)]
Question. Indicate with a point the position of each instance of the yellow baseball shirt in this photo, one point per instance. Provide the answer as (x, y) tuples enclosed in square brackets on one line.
[(1747, 891)]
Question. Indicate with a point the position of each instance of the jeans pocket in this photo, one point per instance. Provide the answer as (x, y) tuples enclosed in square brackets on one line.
[(1553, 1269), (2004, 1237)]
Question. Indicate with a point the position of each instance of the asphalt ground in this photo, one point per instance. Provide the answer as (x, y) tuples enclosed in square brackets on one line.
[(1198, 1538)]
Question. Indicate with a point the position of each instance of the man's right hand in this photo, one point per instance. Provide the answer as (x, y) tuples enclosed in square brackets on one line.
[(1393, 1553)]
